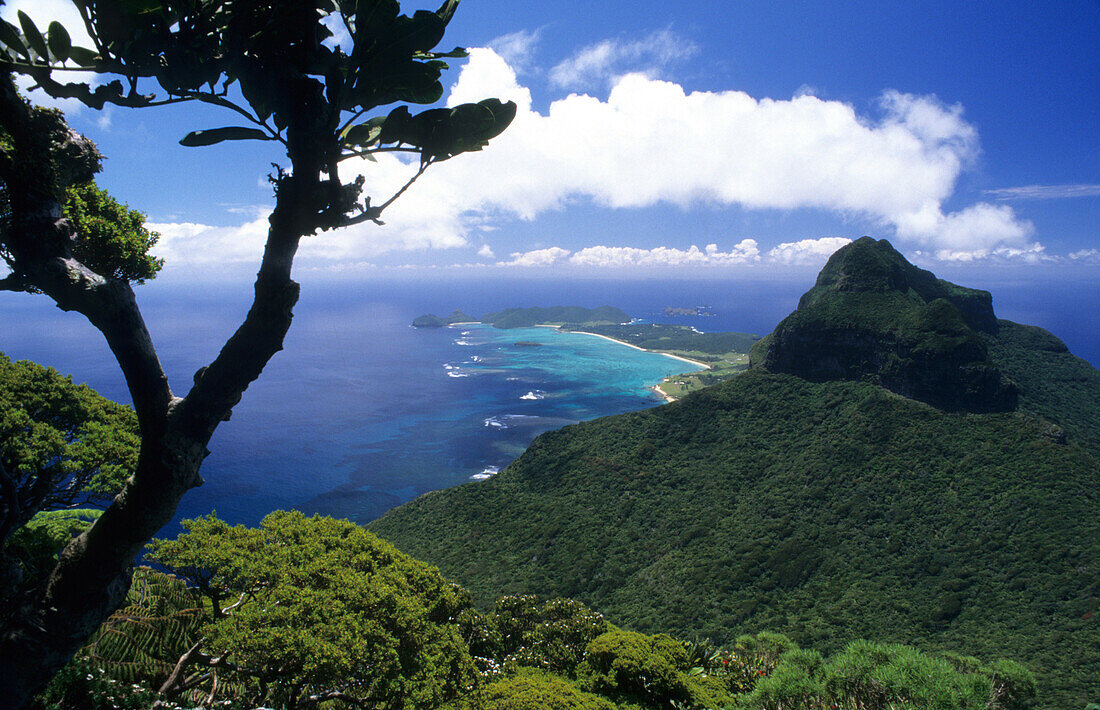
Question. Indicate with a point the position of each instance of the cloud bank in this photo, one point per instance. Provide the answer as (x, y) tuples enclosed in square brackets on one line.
[(652, 143), (747, 251)]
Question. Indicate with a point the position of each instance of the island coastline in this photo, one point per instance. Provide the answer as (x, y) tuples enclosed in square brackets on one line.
[(656, 389), (700, 365)]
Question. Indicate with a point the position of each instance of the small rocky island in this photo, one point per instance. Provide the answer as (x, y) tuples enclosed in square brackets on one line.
[(431, 320), (688, 311)]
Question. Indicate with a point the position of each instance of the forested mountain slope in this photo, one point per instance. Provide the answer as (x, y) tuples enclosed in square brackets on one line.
[(814, 499)]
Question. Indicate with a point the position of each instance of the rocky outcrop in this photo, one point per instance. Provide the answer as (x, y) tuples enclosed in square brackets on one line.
[(431, 320), (873, 316)]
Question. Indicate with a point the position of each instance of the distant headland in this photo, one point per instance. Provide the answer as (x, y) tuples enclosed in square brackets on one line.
[(430, 320), (716, 356), (527, 317)]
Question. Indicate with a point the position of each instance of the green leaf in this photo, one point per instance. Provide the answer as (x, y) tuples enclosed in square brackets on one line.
[(456, 53), (373, 17), (365, 134), (422, 94), (211, 136), (395, 125), (83, 56), (34, 38), (419, 33), (258, 95), (490, 119), (447, 10), (58, 39), (9, 37)]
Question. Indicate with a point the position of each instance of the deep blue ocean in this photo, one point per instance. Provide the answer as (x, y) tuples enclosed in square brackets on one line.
[(362, 412)]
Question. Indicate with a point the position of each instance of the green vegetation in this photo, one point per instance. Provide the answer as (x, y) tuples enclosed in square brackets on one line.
[(433, 321), (65, 451), (824, 508), (719, 370), (556, 315), (530, 689), (62, 444), (527, 317), (1053, 383), (325, 614), (874, 316), (317, 607), (676, 339), (113, 240), (725, 354)]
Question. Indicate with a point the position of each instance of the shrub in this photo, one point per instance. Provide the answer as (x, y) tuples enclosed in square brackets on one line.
[(533, 690)]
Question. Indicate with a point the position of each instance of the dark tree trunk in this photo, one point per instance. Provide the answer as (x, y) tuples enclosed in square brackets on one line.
[(93, 573)]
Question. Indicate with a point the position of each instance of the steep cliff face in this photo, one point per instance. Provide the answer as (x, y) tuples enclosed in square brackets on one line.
[(872, 316)]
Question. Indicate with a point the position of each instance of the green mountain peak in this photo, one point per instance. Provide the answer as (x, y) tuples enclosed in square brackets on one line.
[(873, 316)]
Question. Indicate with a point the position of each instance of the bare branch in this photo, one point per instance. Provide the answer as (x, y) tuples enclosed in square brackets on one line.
[(177, 671)]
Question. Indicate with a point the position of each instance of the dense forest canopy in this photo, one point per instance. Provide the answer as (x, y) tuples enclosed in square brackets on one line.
[(314, 612), (820, 504)]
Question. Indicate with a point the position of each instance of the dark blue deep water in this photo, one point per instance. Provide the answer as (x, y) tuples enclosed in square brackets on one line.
[(362, 412)]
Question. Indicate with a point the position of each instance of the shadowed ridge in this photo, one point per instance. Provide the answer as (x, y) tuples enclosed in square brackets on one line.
[(867, 265), (873, 316)]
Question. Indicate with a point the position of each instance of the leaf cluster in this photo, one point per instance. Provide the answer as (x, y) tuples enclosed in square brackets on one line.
[(262, 60), (321, 606), (62, 441), (530, 654), (112, 239)]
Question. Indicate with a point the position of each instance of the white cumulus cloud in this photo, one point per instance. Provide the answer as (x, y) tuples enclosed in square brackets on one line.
[(650, 142), (977, 231), (745, 252), (1086, 256), (604, 256), (190, 243), (537, 257), (806, 251)]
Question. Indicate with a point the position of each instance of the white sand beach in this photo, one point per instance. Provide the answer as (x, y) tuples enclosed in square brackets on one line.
[(700, 365)]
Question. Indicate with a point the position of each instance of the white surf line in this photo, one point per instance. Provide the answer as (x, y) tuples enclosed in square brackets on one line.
[(700, 365)]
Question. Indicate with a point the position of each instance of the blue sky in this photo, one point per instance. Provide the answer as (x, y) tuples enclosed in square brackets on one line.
[(678, 137)]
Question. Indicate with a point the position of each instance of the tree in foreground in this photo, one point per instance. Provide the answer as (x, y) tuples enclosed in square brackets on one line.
[(65, 452), (272, 65), (314, 612), (62, 445), (311, 609)]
